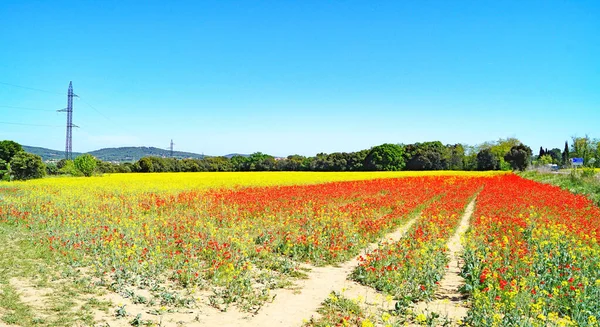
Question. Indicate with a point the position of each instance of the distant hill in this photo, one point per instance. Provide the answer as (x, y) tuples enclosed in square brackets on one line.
[(47, 154), (231, 155), (123, 154), (136, 153)]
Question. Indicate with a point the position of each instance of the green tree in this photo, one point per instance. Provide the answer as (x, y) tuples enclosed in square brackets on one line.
[(427, 156), (259, 161), (145, 165), (457, 156), (8, 149), (499, 149), (545, 160), (51, 169), (387, 157), (518, 157), (67, 167), (27, 166), (597, 155), (565, 154), (85, 163), (583, 147), (556, 155), (486, 160), (4, 170), (240, 163)]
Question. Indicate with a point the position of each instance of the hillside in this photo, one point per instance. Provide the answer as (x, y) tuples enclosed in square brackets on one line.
[(47, 154), (135, 153), (123, 154)]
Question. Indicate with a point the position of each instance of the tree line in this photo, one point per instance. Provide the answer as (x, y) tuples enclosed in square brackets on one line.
[(585, 148), (503, 154), (16, 164)]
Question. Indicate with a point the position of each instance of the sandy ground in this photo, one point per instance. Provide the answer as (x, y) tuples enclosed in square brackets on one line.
[(290, 309), (449, 302)]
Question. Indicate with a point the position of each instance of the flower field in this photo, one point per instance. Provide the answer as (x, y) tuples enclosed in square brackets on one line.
[(410, 268), (531, 256)]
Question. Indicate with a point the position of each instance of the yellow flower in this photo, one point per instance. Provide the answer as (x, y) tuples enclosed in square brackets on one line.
[(385, 317)]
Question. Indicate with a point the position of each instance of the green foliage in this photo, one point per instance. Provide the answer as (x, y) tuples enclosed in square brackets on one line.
[(500, 148), (586, 148), (8, 149), (122, 154), (27, 166), (418, 156), (292, 163), (337, 161), (240, 162), (52, 169), (545, 160), (145, 165), (47, 154), (259, 161), (457, 154), (518, 157), (486, 160), (68, 168), (385, 157), (427, 156), (4, 170), (86, 164), (565, 154), (556, 156)]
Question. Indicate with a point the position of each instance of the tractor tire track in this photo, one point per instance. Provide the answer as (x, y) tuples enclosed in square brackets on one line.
[(449, 301), (289, 308)]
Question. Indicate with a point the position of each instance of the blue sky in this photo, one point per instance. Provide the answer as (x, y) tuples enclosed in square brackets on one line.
[(285, 77)]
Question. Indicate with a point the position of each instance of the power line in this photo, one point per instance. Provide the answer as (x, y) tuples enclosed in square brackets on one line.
[(24, 124), (25, 108), (46, 91), (30, 88), (96, 110)]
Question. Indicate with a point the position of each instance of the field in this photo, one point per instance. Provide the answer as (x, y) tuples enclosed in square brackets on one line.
[(298, 249), (575, 181)]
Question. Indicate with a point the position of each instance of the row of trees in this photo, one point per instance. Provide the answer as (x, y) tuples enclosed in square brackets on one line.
[(505, 154), (581, 147), (16, 164)]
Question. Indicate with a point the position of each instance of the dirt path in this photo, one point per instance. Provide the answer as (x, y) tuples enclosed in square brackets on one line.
[(449, 302), (289, 308)]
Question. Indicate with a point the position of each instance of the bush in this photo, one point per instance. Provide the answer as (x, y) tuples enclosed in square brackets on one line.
[(68, 168), (386, 157), (86, 164), (27, 166), (518, 157), (486, 160)]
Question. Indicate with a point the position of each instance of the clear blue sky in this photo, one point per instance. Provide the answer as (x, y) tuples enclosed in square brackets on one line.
[(285, 77)]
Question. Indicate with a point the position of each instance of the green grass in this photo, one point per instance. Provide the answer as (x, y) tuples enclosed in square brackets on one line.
[(60, 305), (578, 182)]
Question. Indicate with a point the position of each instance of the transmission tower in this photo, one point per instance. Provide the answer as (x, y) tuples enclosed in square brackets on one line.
[(69, 111), (171, 148)]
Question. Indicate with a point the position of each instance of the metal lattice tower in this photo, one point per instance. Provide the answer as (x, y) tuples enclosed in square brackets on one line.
[(171, 148), (69, 111)]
